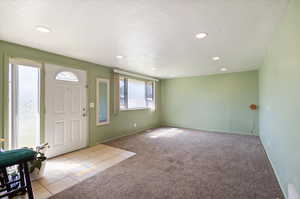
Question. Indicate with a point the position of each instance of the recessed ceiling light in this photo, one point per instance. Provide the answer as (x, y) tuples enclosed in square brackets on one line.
[(43, 29), (201, 35), (119, 57), (216, 58), (223, 69)]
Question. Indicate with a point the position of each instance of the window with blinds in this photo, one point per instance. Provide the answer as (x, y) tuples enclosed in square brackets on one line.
[(136, 94)]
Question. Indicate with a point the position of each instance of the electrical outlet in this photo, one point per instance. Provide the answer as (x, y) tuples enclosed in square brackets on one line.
[(292, 192), (134, 124)]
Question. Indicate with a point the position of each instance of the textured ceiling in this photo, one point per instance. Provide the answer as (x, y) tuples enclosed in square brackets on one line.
[(148, 33)]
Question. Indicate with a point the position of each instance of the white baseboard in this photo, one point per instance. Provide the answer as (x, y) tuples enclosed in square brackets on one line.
[(211, 130), (125, 135)]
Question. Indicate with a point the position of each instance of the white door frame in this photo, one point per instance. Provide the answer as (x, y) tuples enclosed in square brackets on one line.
[(13, 116), (86, 129)]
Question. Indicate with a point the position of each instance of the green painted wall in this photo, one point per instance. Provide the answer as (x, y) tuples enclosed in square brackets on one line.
[(1, 93), (214, 102), (279, 80), (121, 124)]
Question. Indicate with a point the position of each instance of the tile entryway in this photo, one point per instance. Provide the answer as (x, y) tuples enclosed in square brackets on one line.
[(67, 170)]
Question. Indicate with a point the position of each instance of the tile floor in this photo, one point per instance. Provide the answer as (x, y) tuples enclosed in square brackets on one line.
[(67, 170)]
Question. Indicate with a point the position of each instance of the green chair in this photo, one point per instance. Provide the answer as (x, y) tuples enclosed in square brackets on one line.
[(19, 157)]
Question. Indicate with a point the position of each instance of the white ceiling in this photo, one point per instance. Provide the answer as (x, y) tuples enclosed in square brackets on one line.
[(148, 33)]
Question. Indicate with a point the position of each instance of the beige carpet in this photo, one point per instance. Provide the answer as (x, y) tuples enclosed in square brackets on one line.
[(184, 164)]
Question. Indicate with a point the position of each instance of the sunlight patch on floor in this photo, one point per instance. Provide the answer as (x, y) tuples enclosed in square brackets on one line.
[(67, 170), (165, 132)]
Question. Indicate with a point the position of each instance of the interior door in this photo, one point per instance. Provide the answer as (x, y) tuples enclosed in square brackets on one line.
[(66, 121)]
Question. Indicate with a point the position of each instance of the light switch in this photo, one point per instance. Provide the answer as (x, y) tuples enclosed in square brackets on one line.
[(92, 105)]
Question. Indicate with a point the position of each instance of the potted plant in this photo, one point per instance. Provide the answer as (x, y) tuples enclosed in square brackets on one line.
[(38, 164)]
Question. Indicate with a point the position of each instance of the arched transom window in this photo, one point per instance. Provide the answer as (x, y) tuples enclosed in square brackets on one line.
[(67, 76)]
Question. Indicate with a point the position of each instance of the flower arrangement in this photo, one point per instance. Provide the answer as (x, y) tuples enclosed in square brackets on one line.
[(40, 157)]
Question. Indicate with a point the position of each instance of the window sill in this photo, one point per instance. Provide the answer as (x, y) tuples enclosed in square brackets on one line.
[(102, 124), (135, 109)]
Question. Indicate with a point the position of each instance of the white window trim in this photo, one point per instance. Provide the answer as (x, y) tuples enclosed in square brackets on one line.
[(133, 109), (25, 62), (97, 100)]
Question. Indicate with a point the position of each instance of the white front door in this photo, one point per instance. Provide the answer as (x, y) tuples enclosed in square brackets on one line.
[(66, 121)]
